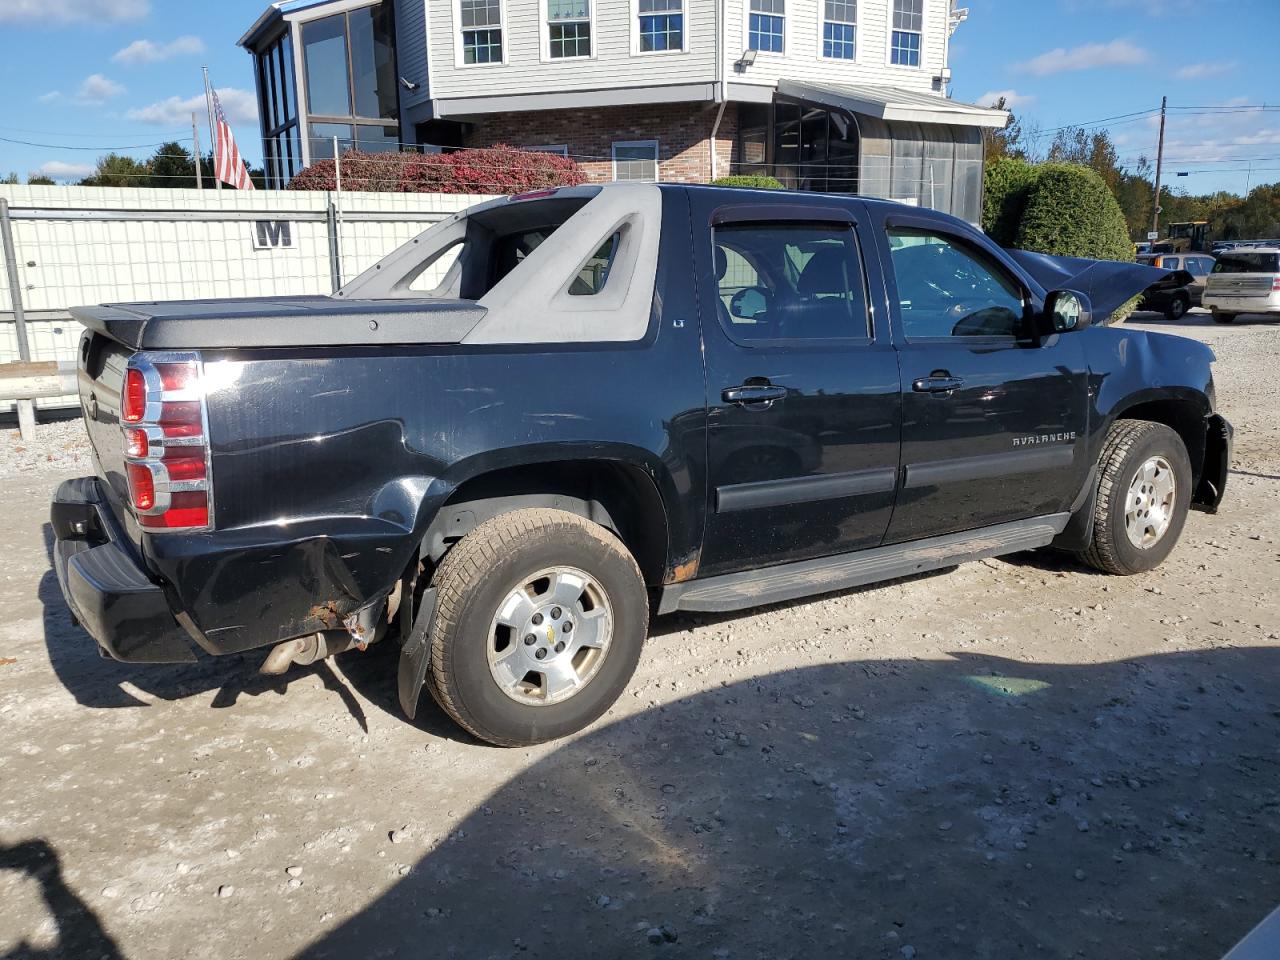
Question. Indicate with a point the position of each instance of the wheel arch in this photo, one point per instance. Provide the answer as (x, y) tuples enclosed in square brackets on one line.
[(618, 494), (1187, 413)]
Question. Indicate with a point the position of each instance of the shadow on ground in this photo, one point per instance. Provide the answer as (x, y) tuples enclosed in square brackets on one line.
[(973, 807)]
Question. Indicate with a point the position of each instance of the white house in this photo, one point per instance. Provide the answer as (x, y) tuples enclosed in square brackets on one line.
[(832, 95)]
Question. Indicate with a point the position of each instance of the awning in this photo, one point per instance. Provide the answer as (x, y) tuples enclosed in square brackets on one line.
[(890, 103)]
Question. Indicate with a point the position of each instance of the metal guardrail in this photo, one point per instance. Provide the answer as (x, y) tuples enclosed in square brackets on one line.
[(33, 381)]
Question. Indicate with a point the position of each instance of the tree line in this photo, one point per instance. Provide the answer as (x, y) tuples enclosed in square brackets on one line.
[(172, 165), (1230, 216)]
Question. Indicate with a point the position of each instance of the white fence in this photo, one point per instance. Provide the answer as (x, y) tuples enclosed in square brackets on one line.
[(89, 245)]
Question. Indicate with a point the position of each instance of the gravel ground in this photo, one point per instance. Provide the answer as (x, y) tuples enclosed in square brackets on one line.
[(1015, 758), (60, 447)]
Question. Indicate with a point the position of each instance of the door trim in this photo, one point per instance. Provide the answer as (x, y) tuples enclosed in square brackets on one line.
[(789, 581), (987, 466), (778, 493)]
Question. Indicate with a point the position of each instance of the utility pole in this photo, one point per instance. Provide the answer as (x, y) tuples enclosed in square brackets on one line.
[(195, 137), (1155, 211)]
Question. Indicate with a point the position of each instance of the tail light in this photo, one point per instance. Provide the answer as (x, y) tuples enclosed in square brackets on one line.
[(1275, 284), (163, 415)]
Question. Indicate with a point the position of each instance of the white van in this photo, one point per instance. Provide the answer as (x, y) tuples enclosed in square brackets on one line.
[(1244, 280)]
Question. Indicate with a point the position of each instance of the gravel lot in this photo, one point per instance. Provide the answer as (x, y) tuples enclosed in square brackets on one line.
[(1015, 758)]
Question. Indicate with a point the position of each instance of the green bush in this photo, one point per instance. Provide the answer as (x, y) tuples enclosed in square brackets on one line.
[(758, 182), (1008, 181), (1071, 212)]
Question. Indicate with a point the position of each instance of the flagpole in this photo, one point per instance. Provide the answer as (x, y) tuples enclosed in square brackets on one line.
[(195, 138), (213, 133)]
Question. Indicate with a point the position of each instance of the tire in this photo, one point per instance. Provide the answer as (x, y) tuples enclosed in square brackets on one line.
[(1131, 446), (477, 583), (1219, 317), (1177, 308)]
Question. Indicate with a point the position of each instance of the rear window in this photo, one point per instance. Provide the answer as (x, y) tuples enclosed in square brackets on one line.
[(1239, 262)]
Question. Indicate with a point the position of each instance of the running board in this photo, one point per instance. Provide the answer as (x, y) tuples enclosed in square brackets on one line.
[(789, 581)]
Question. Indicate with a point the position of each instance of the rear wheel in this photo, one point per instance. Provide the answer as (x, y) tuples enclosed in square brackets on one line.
[(1177, 308), (1144, 491), (1220, 317), (541, 616)]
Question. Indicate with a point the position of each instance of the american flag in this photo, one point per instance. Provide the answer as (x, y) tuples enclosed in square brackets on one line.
[(228, 165)]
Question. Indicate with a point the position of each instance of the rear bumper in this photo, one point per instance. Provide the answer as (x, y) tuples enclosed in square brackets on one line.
[(1243, 303), (105, 584)]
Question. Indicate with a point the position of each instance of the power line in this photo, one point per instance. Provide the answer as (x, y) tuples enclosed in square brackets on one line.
[(63, 146)]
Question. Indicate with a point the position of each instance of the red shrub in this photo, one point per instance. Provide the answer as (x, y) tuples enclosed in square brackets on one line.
[(500, 169)]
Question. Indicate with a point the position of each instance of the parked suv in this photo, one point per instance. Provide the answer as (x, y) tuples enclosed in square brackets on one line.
[(547, 416), (1244, 280), (1183, 288)]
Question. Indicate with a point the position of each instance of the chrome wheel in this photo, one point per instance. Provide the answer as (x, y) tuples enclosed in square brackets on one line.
[(1149, 507), (550, 635)]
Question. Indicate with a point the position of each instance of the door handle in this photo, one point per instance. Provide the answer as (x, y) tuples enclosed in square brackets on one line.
[(753, 394), (937, 384)]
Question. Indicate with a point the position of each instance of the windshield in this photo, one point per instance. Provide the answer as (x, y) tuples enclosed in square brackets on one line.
[(1239, 262)]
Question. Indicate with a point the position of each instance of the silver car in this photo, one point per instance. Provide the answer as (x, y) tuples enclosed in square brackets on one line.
[(1244, 280)]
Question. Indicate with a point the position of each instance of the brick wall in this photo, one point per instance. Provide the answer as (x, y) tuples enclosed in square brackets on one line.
[(683, 132)]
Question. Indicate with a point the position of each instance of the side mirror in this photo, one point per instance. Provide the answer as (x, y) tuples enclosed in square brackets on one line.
[(1067, 310)]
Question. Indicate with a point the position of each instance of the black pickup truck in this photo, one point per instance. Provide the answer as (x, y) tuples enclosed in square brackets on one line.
[(514, 438)]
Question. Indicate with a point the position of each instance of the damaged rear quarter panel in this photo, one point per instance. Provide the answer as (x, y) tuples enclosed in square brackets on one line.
[(329, 463)]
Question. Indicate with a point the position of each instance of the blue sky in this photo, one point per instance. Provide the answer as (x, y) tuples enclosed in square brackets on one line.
[(81, 76)]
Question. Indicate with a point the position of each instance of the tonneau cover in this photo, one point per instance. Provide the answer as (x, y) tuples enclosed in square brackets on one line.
[(281, 322)]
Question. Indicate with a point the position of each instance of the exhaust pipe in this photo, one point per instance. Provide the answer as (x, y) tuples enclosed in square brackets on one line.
[(304, 651), (363, 627)]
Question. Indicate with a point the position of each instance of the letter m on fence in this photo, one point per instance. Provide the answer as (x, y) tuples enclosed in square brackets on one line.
[(271, 234)]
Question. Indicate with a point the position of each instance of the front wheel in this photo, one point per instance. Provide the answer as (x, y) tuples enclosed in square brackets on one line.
[(1144, 491), (540, 619)]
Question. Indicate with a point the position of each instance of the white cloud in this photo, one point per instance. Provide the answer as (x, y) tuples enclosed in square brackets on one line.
[(1012, 99), (71, 11), (49, 97), (148, 51), (240, 106), (1117, 53), (1198, 71), (57, 170), (98, 89)]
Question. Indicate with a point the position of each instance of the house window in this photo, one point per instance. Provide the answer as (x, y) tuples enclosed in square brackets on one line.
[(481, 30), (908, 17), (559, 148), (839, 29), (661, 25), (635, 160), (766, 25), (278, 109), (569, 28), (349, 62)]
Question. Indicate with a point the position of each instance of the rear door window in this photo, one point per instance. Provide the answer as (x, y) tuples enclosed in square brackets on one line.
[(785, 282), (1238, 261)]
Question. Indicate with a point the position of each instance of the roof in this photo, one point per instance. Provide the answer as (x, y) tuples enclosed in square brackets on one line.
[(891, 103), (273, 15)]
